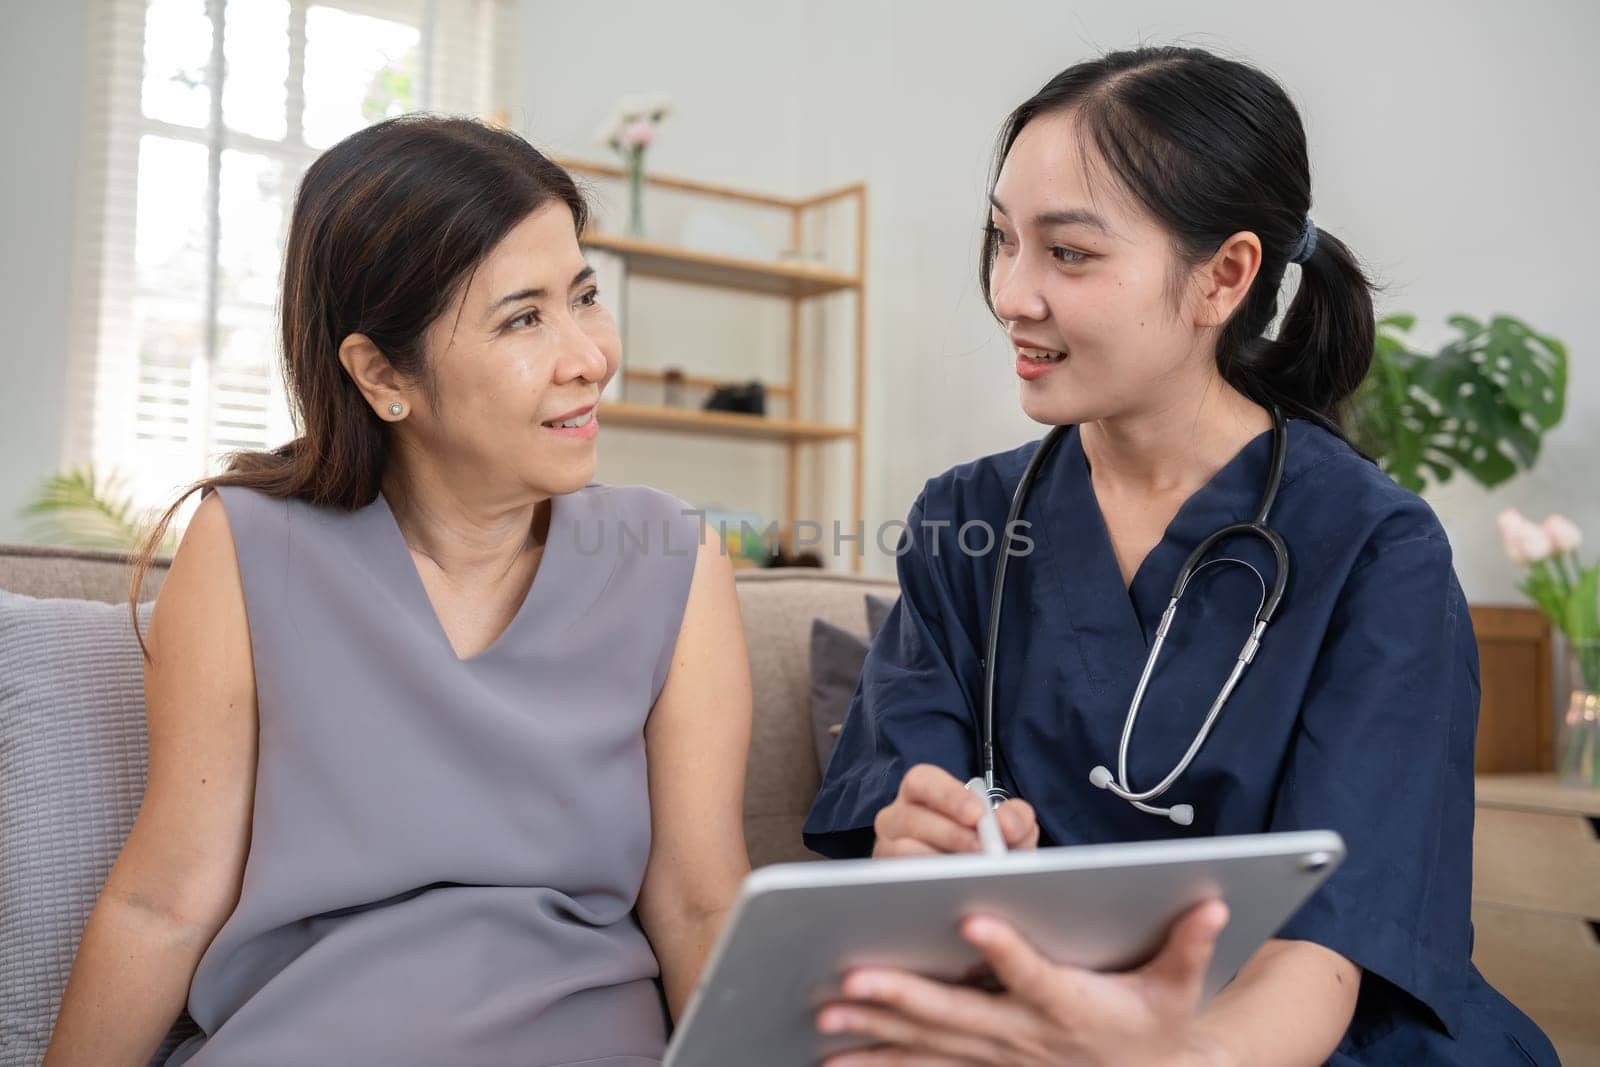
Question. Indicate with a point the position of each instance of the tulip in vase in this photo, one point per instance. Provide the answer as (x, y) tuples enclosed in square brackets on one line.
[(630, 131), (1568, 594)]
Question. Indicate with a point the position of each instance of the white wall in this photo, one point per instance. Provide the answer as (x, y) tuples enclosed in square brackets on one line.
[(42, 55), (1453, 147)]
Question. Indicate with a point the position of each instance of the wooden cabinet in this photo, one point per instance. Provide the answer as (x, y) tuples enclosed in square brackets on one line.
[(1516, 713), (1536, 904)]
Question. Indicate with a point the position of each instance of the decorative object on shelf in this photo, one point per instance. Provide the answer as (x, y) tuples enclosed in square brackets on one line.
[(1480, 404), (748, 399), (629, 131), (1568, 594), (672, 383), (1578, 724), (82, 509), (799, 559), (743, 536)]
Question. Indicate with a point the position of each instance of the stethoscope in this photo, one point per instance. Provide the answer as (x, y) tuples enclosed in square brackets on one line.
[(1100, 776)]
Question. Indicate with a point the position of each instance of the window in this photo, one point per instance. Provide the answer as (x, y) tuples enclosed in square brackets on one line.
[(186, 198)]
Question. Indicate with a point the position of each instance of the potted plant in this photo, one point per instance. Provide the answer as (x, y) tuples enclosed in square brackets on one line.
[(83, 509), (1480, 404)]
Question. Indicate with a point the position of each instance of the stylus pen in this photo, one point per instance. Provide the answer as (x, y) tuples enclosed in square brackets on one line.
[(989, 835)]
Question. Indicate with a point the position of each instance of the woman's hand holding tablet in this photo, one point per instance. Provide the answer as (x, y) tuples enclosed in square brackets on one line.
[(1100, 953), (1046, 1013)]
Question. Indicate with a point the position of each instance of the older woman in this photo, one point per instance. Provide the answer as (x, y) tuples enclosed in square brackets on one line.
[(428, 783)]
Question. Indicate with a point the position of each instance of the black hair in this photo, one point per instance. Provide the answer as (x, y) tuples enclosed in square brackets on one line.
[(1212, 147)]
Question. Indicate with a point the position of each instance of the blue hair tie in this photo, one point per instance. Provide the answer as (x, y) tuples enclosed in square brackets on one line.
[(1307, 244)]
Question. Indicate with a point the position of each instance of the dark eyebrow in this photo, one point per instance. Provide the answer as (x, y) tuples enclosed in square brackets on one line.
[(1067, 217), (537, 294)]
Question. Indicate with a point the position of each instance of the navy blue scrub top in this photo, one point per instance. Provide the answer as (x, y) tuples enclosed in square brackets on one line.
[(1359, 713)]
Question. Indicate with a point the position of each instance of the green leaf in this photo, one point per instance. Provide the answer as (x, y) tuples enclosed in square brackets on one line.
[(1547, 598), (1480, 403), (82, 510), (1535, 369), (1583, 606)]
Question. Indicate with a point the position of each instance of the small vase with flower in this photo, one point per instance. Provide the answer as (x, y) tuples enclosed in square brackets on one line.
[(1568, 594), (630, 131)]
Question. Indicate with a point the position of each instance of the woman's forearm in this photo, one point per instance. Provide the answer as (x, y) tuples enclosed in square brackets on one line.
[(128, 984), (1290, 1004), (683, 955)]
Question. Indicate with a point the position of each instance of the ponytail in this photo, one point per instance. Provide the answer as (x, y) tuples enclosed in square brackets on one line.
[(1324, 345)]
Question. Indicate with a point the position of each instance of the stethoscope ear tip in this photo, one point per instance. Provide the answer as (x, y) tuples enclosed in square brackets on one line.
[(1182, 814), (1100, 778)]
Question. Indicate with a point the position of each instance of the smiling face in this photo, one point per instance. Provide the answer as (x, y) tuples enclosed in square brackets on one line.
[(525, 346), (1084, 278)]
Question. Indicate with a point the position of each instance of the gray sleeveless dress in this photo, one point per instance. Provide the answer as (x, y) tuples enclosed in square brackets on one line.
[(446, 854)]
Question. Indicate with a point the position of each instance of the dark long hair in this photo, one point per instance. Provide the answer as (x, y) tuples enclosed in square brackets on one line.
[(388, 226), (1212, 147)]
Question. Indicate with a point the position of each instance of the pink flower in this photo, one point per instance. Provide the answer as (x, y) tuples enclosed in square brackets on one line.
[(1525, 542), (1563, 533), (1508, 521), (638, 134)]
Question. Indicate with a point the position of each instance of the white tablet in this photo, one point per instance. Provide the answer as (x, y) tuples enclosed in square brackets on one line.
[(797, 927)]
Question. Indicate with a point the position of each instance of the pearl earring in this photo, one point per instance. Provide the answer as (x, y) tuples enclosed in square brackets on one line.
[(397, 409)]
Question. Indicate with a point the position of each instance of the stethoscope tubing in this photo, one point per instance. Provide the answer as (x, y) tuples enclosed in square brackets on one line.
[(1271, 599)]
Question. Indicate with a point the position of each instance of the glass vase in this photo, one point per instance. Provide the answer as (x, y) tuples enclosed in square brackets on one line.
[(635, 170), (1577, 740)]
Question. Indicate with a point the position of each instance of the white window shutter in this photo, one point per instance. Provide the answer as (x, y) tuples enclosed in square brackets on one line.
[(185, 199)]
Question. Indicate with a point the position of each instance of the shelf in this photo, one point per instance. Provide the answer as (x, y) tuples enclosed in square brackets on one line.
[(695, 381), (654, 260), (718, 423)]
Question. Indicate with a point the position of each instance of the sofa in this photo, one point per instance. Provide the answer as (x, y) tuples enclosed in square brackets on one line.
[(48, 843), (781, 610)]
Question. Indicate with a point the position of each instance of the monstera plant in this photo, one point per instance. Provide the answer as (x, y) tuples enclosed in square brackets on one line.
[(1480, 404)]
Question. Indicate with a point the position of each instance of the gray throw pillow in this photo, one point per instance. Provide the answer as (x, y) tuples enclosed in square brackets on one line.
[(878, 608), (73, 755), (836, 659)]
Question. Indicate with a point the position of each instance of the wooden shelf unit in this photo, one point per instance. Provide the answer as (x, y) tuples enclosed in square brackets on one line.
[(720, 423), (796, 282), (654, 260)]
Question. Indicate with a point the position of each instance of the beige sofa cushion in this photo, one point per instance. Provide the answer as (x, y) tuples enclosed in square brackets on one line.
[(783, 777), (74, 573)]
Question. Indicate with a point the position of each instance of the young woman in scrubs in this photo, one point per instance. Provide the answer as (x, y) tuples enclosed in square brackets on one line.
[(1145, 210)]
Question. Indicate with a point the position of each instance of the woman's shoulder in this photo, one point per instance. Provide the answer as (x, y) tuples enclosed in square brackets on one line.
[(1333, 486), (979, 486), (631, 499), (636, 522), (255, 508)]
